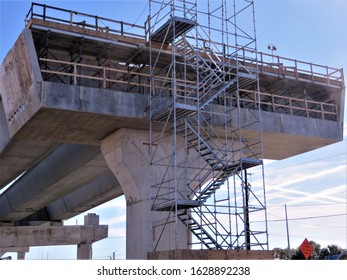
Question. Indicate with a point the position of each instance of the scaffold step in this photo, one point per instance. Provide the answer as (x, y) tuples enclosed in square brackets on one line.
[(225, 172), (217, 93), (172, 29), (243, 163), (198, 231), (167, 114), (208, 153), (170, 205)]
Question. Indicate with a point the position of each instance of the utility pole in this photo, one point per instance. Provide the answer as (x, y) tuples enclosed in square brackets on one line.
[(246, 216), (285, 208)]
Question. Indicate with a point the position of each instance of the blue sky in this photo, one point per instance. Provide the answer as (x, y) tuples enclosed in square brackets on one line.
[(313, 185)]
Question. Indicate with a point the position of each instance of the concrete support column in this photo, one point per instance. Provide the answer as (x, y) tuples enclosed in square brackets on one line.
[(20, 238), (127, 154), (85, 250), (13, 249), (21, 256)]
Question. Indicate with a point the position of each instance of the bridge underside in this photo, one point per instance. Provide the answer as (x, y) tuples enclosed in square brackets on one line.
[(59, 136), (53, 121)]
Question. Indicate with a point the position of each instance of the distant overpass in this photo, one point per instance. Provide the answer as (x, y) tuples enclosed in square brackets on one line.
[(67, 86)]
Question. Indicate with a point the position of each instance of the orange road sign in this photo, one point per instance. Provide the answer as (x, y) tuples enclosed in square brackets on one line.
[(306, 248)]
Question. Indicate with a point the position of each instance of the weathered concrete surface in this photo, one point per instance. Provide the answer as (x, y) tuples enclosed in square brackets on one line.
[(286, 136), (87, 115), (211, 255), (126, 152), (19, 250), (20, 84), (20, 155), (5, 133), (20, 78), (37, 116), (50, 235), (63, 171), (82, 115), (85, 250), (19, 238), (86, 197)]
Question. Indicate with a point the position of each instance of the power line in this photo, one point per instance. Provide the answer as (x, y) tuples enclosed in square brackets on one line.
[(322, 237), (310, 224), (299, 222), (315, 225), (302, 218), (138, 17), (316, 204), (309, 218), (306, 162), (306, 205)]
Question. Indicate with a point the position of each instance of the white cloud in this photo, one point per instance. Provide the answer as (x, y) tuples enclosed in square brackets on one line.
[(114, 220), (294, 177), (116, 232)]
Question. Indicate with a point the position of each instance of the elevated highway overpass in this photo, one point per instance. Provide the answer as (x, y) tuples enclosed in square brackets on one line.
[(67, 86)]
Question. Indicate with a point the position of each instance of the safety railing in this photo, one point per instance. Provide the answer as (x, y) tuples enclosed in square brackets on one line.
[(106, 76), (83, 20), (300, 70), (273, 65), (267, 63), (286, 105)]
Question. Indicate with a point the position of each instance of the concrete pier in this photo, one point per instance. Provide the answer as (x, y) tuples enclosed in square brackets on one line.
[(126, 153), (20, 238)]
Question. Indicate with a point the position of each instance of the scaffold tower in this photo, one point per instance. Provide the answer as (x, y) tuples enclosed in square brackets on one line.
[(203, 63)]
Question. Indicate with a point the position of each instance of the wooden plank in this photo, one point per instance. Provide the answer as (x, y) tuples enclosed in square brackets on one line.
[(285, 99), (90, 32)]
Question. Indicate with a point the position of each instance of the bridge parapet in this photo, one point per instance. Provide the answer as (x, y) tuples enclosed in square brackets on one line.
[(41, 15)]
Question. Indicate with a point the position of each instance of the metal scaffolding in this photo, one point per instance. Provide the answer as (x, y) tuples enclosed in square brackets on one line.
[(197, 105)]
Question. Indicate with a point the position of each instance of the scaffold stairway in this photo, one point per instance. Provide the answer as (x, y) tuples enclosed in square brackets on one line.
[(216, 145), (206, 227), (217, 163), (199, 231), (214, 76)]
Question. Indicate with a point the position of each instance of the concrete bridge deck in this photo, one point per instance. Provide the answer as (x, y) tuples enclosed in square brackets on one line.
[(65, 87)]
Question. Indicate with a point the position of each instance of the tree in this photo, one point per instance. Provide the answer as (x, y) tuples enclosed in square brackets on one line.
[(280, 254), (298, 255), (329, 251), (317, 254)]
